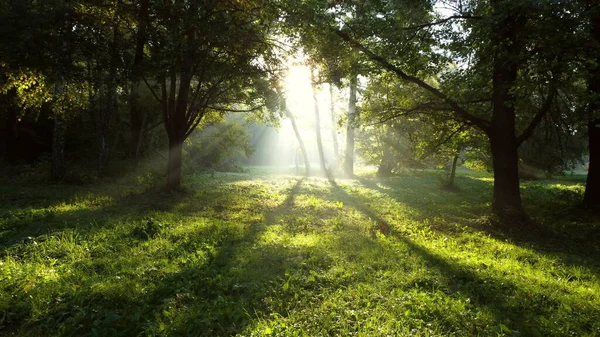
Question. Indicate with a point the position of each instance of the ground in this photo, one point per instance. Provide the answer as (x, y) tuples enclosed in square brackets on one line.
[(281, 255)]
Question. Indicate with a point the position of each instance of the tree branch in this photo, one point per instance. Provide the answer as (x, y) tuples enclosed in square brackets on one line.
[(258, 107), (481, 123), (442, 142), (540, 114), (433, 106), (151, 90), (150, 128), (439, 22)]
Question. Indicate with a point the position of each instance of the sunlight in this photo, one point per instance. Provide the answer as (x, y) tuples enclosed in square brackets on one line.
[(299, 100), (299, 103), (297, 86)]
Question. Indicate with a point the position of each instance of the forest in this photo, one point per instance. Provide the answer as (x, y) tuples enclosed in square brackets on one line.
[(299, 168)]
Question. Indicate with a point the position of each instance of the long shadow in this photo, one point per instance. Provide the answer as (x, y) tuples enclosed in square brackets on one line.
[(37, 225), (34, 214), (488, 293), (230, 289), (541, 234), (223, 276)]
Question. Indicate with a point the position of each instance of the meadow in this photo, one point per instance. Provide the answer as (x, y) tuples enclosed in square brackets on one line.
[(257, 254)]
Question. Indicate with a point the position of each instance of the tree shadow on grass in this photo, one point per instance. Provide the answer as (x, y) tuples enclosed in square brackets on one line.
[(212, 280), (575, 242), (517, 308), (34, 215), (231, 289)]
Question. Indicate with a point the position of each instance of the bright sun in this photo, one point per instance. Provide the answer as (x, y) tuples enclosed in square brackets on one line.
[(300, 103), (298, 88)]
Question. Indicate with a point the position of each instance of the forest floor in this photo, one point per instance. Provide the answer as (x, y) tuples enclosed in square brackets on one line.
[(281, 255)]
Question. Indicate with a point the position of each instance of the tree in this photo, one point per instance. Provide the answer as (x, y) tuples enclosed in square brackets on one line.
[(290, 115), (336, 150), (515, 42), (314, 83), (207, 55), (592, 190), (38, 54), (137, 117), (352, 118)]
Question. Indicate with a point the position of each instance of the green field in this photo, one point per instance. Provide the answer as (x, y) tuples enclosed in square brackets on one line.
[(281, 255)]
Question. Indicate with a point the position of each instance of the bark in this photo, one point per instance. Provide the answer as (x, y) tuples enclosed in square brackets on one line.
[(177, 127), (137, 116), (453, 171), (58, 148), (300, 142), (336, 149), (176, 122), (387, 163), (506, 202), (385, 167), (592, 187), (175, 162), (352, 115), (318, 127)]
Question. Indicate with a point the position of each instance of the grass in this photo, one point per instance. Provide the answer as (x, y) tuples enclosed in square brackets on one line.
[(262, 255)]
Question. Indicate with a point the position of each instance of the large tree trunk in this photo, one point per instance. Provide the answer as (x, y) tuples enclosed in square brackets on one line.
[(58, 148), (318, 127), (453, 171), (352, 115), (300, 142), (137, 117), (591, 197), (176, 124), (506, 201), (175, 163)]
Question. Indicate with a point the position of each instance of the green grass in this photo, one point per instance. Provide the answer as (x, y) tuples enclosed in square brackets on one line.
[(259, 255)]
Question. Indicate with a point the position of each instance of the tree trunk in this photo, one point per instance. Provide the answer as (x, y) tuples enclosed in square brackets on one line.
[(300, 142), (592, 187), (336, 151), (110, 108), (176, 122), (318, 127), (506, 202), (137, 117), (385, 167), (352, 114), (58, 148), (136, 120), (174, 166), (591, 197), (453, 171)]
